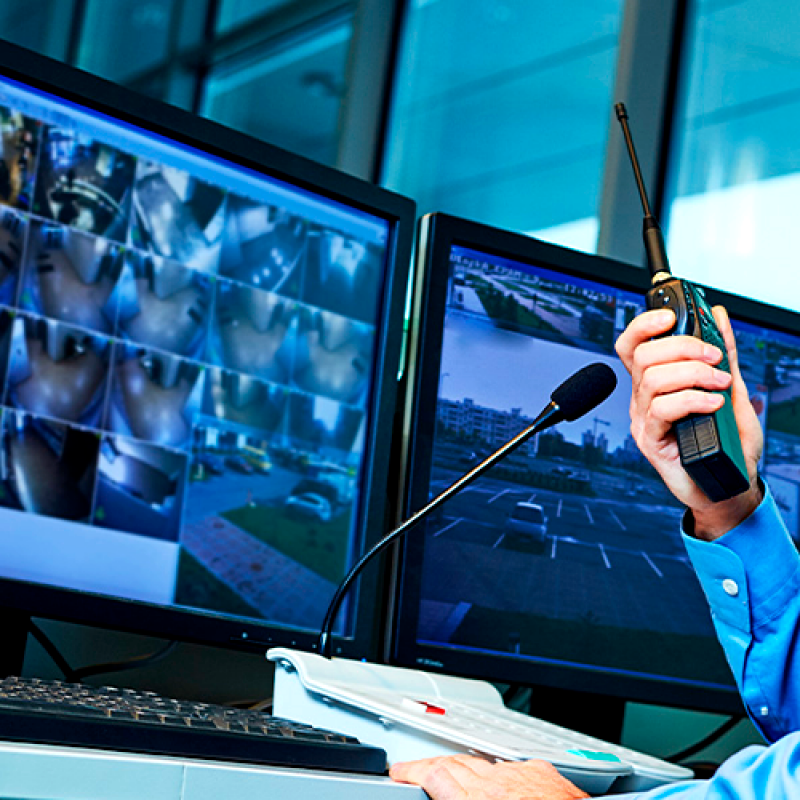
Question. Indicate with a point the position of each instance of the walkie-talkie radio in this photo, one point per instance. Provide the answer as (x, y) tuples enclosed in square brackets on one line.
[(709, 444)]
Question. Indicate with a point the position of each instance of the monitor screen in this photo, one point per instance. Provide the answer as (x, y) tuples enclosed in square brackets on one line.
[(199, 344), (563, 565)]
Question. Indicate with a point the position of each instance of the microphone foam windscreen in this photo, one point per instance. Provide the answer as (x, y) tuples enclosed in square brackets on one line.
[(587, 388)]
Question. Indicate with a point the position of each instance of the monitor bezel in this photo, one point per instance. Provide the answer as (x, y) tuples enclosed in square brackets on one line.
[(438, 233), (175, 124)]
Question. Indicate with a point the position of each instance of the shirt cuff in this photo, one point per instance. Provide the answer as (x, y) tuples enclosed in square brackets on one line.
[(755, 563)]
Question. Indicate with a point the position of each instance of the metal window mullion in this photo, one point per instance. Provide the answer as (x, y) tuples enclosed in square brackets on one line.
[(645, 82), (363, 109)]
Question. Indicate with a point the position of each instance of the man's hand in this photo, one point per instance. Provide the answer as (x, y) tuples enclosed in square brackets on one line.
[(675, 376), (470, 778)]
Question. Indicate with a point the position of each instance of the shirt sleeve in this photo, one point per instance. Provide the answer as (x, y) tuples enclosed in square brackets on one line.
[(755, 773), (751, 577)]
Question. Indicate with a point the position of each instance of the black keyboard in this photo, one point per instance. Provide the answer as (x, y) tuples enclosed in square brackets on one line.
[(51, 712)]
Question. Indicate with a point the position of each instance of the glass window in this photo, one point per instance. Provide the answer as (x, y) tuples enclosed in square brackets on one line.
[(127, 40), (41, 25), (289, 92), (735, 188), (233, 13), (502, 112)]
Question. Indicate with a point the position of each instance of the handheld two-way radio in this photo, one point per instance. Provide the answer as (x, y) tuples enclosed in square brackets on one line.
[(709, 444)]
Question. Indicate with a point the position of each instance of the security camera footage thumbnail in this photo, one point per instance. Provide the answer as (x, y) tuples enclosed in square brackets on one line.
[(83, 183)]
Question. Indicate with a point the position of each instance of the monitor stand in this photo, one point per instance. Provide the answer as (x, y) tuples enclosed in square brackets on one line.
[(14, 633), (593, 714)]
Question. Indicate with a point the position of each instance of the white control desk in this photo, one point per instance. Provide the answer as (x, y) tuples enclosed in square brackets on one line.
[(45, 772)]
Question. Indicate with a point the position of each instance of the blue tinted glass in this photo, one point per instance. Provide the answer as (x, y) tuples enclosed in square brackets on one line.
[(501, 112), (736, 182), (41, 25), (233, 13), (125, 43), (303, 77)]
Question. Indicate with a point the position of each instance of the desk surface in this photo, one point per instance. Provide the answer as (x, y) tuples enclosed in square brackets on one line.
[(45, 772)]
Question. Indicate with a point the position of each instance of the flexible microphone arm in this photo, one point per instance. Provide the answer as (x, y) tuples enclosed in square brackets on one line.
[(577, 395)]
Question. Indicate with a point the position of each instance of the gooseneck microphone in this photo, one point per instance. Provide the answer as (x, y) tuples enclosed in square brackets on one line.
[(578, 395)]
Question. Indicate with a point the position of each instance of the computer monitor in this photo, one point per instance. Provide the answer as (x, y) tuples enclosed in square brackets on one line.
[(563, 566), (199, 345)]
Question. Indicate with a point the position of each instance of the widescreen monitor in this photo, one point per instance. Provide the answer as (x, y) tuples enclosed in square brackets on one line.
[(199, 345), (563, 566)]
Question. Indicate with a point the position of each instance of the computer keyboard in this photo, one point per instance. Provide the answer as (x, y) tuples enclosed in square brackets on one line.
[(110, 718)]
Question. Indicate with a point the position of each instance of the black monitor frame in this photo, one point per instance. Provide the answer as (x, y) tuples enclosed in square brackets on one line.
[(22, 599), (438, 233)]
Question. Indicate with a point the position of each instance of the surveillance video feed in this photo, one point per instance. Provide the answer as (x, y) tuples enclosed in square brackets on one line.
[(47, 467), (177, 216), (83, 183), (140, 488), (13, 229), (154, 396), (253, 331), (333, 356), (71, 276), (56, 370), (573, 541), (342, 275), (244, 400), (179, 373), (19, 144), (263, 246), (164, 305)]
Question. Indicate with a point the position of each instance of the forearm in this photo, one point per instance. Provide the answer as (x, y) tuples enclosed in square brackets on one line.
[(755, 773), (751, 577)]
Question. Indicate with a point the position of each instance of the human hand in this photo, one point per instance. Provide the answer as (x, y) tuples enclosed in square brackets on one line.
[(675, 376), (465, 777)]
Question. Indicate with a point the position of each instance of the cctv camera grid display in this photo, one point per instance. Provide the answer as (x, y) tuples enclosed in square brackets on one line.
[(182, 363), (573, 542)]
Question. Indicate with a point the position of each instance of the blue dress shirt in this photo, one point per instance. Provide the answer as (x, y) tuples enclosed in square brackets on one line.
[(751, 577)]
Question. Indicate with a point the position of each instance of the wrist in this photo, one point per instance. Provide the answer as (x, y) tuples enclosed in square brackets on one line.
[(716, 519)]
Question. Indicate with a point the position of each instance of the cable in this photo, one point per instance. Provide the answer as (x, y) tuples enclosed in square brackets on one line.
[(50, 649), (120, 666), (77, 675), (712, 737)]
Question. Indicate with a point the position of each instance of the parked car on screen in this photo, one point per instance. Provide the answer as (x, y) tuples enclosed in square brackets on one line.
[(309, 505), (213, 465), (260, 464), (239, 464), (527, 521)]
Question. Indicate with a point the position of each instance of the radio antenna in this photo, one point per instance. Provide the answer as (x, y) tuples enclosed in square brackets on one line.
[(651, 230)]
